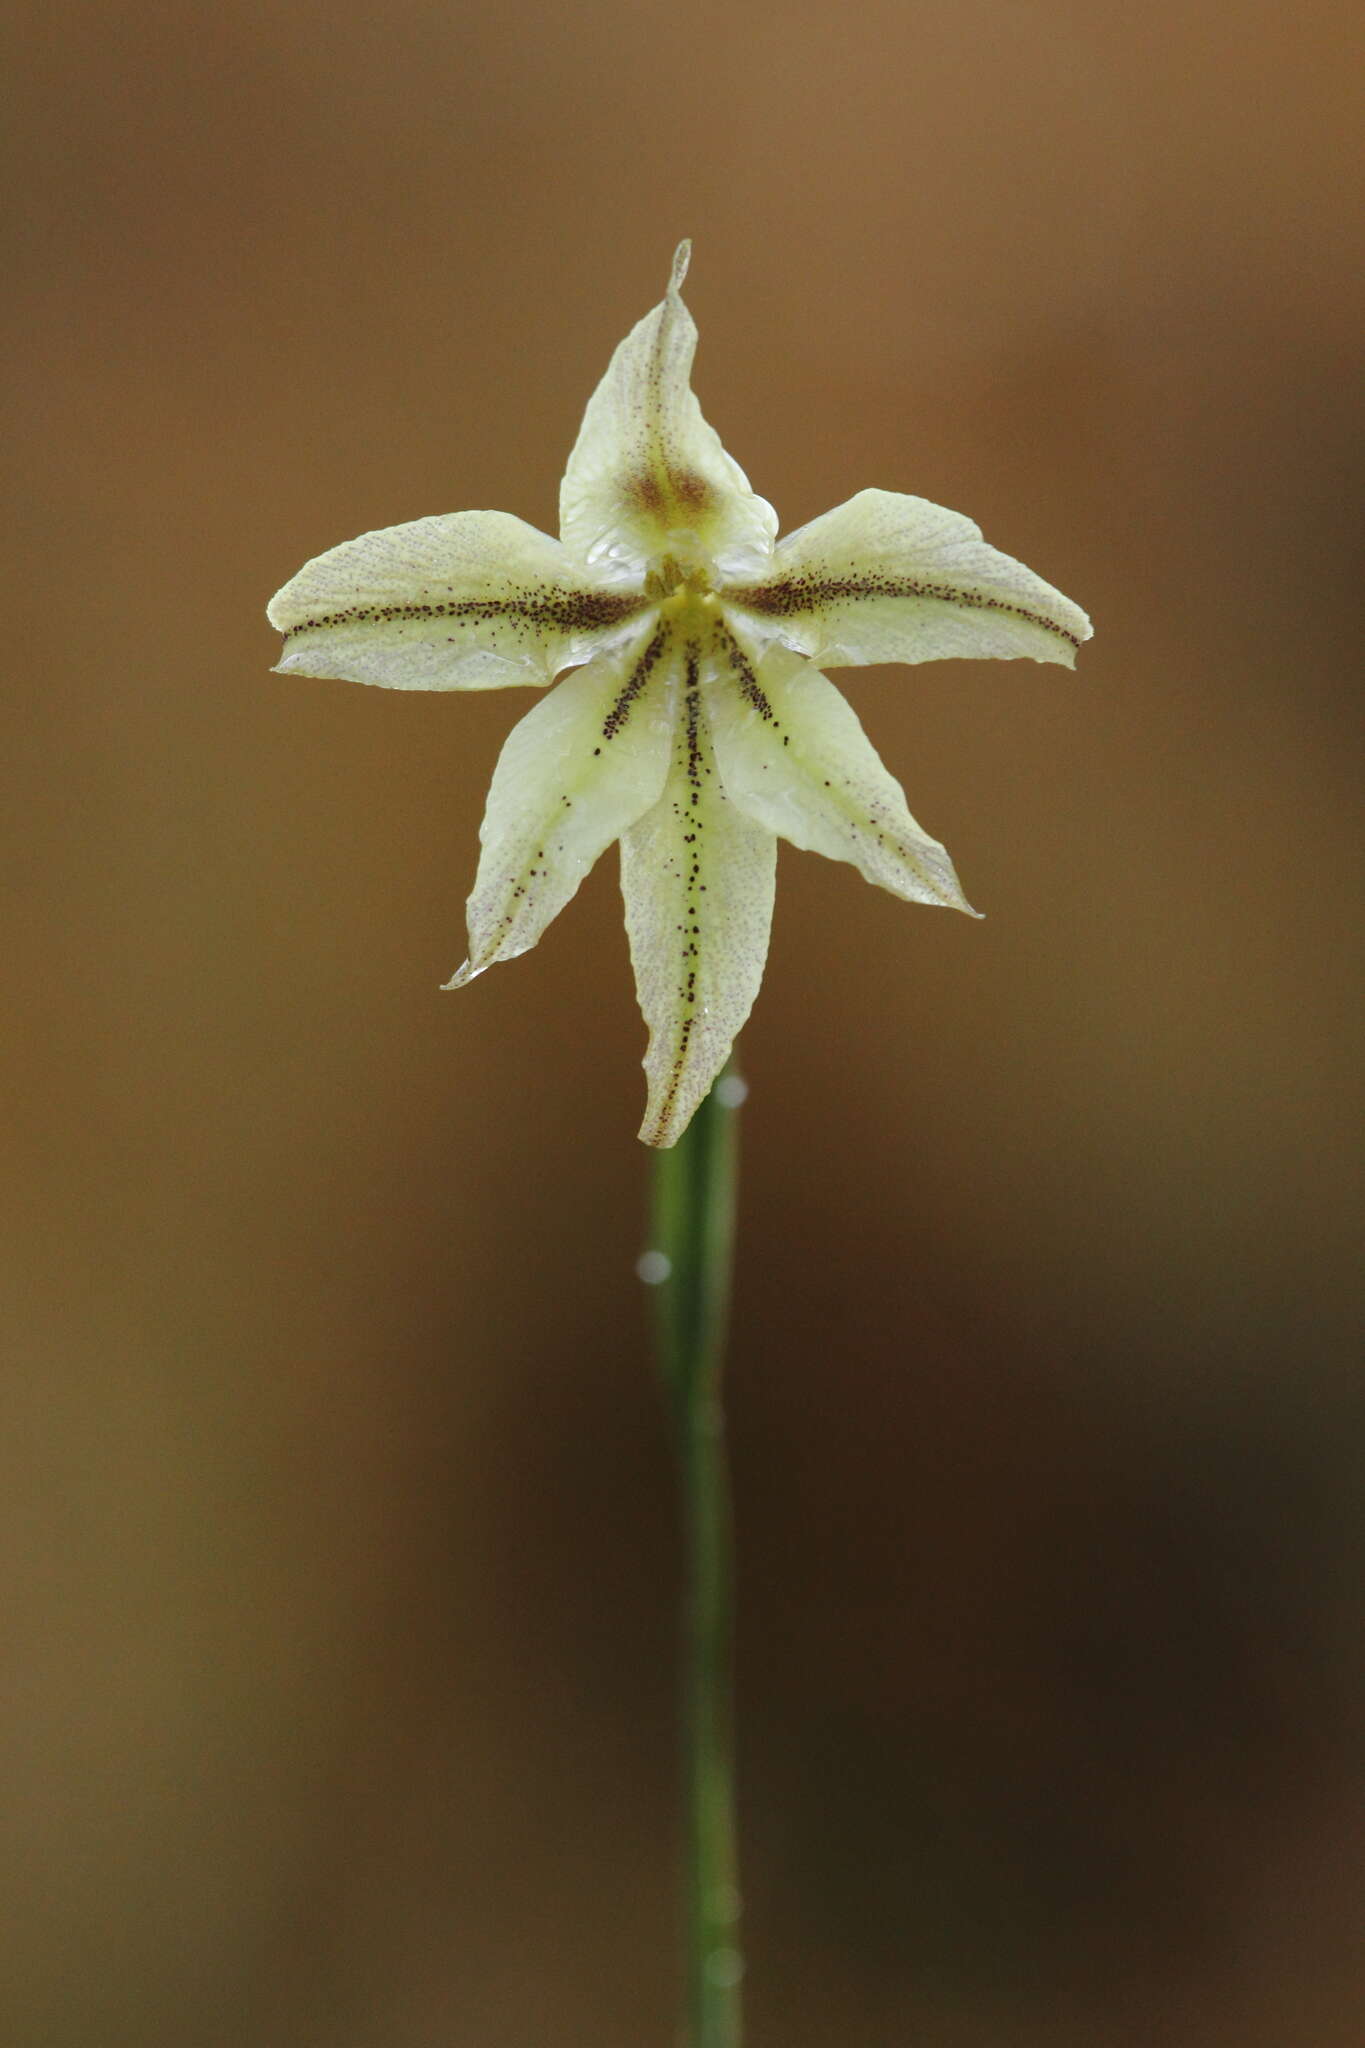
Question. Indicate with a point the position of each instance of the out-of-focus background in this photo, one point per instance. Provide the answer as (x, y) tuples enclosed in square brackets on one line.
[(336, 1528)]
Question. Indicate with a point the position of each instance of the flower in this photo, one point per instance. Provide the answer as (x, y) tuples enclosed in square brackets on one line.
[(691, 720)]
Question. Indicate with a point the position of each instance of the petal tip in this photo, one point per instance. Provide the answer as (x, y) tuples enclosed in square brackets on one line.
[(462, 976), (954, 897), (682, 256), (1079, 630)]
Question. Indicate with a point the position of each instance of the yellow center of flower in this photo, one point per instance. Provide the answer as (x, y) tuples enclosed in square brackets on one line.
[(682, 573), (681, 583)]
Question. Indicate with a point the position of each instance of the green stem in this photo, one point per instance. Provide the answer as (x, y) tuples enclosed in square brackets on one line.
[(694, 1229)]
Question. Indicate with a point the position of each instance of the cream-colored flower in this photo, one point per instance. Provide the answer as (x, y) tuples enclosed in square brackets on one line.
[(693, 723)]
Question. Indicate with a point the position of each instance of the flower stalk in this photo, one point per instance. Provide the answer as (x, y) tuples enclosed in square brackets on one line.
[(693, 1230)]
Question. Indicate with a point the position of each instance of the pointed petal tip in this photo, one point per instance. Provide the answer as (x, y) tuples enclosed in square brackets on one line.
[(290, 664), (682, 256), (953, 898), (948, 899), (301, 663), (1081, 630), (462, 976), (658, 1136)]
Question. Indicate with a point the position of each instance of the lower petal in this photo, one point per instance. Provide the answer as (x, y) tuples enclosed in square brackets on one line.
[(698, 878), (574, 773), (794, 758)]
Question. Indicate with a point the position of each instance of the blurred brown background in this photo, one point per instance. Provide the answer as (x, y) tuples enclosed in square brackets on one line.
[(335, 1515)]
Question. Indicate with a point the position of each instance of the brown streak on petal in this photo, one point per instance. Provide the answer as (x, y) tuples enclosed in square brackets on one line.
[(809, 593), (750, 689), (567, 611), (635, 682), (698, 772)]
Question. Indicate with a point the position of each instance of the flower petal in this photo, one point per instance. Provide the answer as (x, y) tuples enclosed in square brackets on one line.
[(574, 773), (464, 601), (890, 578), (648, 477), (793, 757), (698, 877)]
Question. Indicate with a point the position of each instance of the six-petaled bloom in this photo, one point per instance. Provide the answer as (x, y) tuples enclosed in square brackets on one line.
[(693, 723)]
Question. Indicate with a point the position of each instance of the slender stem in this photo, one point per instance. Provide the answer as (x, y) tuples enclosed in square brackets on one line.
[(694, 1228)]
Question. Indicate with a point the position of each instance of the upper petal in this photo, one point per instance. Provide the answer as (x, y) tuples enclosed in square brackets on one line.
[(463, 601), (891, 578), (647, 475), (578, 769), (793, 756), (698, 877)]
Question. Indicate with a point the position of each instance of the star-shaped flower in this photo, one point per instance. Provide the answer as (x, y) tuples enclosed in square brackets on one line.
[(691, 720)]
